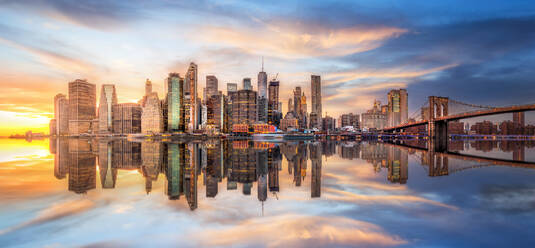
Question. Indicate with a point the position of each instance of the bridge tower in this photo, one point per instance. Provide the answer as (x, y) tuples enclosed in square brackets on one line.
[(438, 129)]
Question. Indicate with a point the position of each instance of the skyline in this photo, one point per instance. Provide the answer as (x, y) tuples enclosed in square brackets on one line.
[(362, 53)]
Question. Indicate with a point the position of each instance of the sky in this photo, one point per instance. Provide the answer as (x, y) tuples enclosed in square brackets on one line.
[(478, 52)]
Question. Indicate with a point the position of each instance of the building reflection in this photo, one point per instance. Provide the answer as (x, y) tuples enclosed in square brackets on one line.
[(252, 165)]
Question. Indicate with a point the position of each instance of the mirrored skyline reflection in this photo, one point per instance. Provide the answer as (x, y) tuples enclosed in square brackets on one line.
[(248, 193)]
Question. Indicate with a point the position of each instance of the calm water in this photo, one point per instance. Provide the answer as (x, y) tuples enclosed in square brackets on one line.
[(76, 192)]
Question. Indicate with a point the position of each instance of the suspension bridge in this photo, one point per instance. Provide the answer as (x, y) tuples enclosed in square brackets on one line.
[(437, 111)]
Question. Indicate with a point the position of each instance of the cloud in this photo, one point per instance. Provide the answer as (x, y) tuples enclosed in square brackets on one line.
[(103, 15), (300, 231), (58, 61), (293, 43), (54, 212)]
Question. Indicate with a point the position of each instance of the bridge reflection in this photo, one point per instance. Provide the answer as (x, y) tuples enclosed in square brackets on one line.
[(439, 162), (257, 166)]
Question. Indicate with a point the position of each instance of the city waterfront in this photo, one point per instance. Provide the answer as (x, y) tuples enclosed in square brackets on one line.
[(477, 193)]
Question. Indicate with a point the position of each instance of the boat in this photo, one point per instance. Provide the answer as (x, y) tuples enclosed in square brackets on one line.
[(268, 136)]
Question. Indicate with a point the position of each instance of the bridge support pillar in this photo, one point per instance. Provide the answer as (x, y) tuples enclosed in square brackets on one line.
[(438, 136)]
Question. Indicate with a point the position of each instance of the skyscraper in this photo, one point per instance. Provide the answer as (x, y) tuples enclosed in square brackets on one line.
[(126, 118), (108, 98), (262, 102), (243, 107), (152, 116), (175, 103), (82, 106), (398, 108), (61, 114), (191, 99), (315, 82), (273, 102), (211, 86), (247, 84), (300, 107)]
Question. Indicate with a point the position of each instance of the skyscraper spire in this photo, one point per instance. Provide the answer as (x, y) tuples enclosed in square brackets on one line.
[(262, 63)]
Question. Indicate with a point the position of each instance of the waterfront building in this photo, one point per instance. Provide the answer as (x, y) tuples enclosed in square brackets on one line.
[(273, 103), (484, 127), (61, 114), (82, 106), (315, 83), (108, 99), (190, 98), (151, 117), (211, 87), (300, 107), (243, 104), (328, 123), (215, 112), (375, 118), (289, 122), (350, 119), (127, 118), (398, 108), (175, 103)]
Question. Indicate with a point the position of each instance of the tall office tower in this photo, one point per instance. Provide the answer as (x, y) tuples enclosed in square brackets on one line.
[(175, 103), (247, 84), (211, 86), (126, 118), (152, 116), (374, 118), (61, 113), (398, 108), (315, 82), (231, 87), (82, 106), (243, 104), (273, 102), (191, 97), (108, 98), (299, 107), (290, 105), (215, 111), (262, 102), (518, 118)]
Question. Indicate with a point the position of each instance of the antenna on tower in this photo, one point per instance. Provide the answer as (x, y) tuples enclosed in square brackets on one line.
[(262, 63)]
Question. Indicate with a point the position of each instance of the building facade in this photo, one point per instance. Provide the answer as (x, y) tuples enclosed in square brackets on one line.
[(127, 118), (315, 85), (273, 103), (61, 114), (350, 119), (152, 116), (211, 86), (82, 106), (175, 103), (108, 99), (243, 105), (375, 118), (398, 108)]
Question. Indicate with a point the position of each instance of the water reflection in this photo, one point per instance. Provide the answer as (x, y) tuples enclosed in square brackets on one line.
[(244, 163)]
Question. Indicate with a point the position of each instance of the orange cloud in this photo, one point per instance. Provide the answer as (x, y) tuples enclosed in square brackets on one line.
[(301, 231), (289, 43)]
